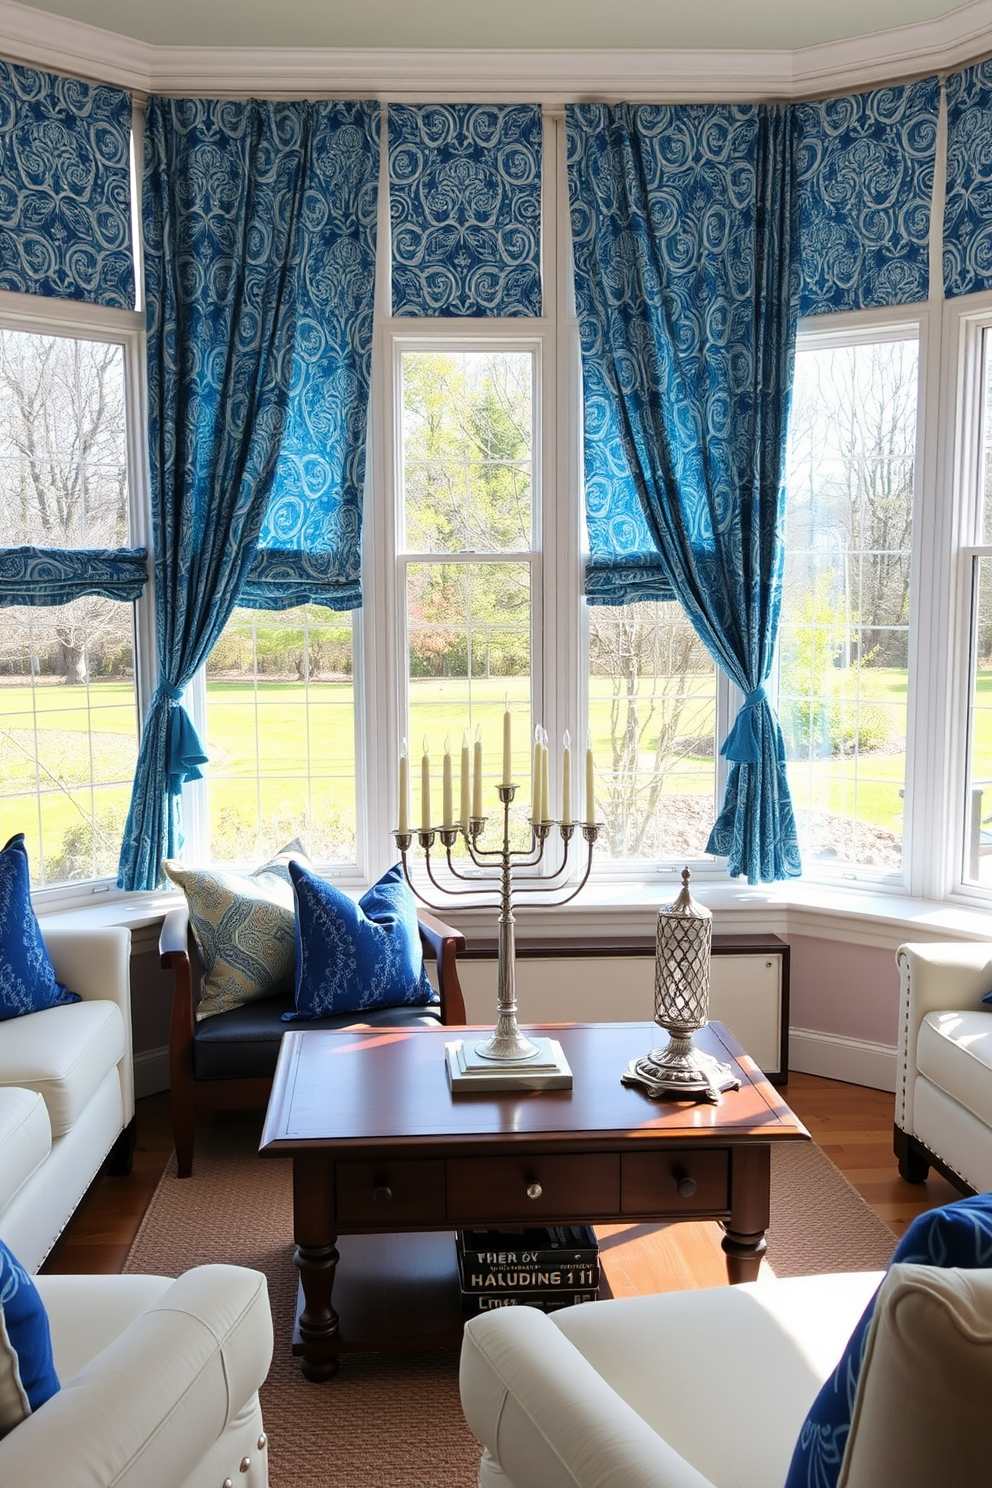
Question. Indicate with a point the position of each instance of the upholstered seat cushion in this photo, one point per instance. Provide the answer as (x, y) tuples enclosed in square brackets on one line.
[(64, 1053), (954, 1051), (244, 1043), (25, 1139)]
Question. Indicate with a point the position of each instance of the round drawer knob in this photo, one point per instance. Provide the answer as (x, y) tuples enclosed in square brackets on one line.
[(534, 1190), (382, 1194), (686, 1187)]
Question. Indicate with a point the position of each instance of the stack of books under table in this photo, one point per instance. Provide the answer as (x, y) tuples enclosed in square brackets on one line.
[(546, 1268)]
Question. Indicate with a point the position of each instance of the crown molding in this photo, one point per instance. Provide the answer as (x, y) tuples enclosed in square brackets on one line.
[(40, 39)]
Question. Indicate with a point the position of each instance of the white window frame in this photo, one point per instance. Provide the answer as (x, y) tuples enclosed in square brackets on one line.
[(864, 328), (966, 320), (76, 320)]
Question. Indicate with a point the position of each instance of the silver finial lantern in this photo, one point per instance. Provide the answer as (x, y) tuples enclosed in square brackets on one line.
[(681, 1004)]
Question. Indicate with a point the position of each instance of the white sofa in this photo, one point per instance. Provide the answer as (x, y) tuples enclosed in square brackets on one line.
[(943, 1113), (159, 1383), (66, 1090), (710, 1389)]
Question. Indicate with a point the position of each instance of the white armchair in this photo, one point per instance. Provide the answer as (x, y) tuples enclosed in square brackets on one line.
[(709, 1389), (159, 1382), (943, 1113)]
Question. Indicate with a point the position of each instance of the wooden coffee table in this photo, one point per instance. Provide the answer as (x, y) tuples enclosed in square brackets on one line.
[(383, 1152)]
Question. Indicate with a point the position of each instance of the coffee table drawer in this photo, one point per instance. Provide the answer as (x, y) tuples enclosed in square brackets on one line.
[(525, 1190), (390, 1192), (676, 1183)]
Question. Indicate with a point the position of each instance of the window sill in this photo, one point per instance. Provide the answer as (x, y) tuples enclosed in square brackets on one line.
[(858, 916)]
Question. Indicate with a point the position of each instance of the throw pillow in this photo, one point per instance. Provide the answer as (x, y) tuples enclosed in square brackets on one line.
[(27, 1371), (27, 976), (350, 956), (243, 928), (959, 1234)]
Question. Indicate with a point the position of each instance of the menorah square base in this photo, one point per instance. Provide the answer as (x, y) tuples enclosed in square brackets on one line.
[(469, 1071)]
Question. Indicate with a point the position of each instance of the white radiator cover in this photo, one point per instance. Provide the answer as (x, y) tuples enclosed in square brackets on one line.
[(745, 994)]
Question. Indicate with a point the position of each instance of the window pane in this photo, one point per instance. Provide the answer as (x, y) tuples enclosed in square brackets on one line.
[(845, 614), (68, 735), (281, 735), (469, 652), (652, 720), (467, 451), (68, 719), (63, 470), (978, 860)]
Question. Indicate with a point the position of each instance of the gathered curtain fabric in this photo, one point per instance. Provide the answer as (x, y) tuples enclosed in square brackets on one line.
[(684, 227), (234, 225)]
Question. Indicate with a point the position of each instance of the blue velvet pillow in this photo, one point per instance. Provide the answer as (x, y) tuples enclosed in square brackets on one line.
[(959, 1234), (27, 976), (27, 1371), (350, 956)]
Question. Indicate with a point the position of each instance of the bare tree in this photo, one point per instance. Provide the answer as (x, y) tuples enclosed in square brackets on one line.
[(63, 476)]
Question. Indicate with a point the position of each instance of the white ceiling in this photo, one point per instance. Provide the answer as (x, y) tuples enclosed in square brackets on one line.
[(588, 24)]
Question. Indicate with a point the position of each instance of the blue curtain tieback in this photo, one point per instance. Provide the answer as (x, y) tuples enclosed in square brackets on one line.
[(742, 744), (184, 752)]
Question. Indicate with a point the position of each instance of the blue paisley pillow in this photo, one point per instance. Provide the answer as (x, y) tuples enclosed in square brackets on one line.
[(959, 1234), (27, 976), (350, 957), (27, 1369), (243, 928)]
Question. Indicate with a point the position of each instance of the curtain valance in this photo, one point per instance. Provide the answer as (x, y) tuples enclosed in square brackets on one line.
[(465, 208), (866, 167), (65, 188), (968, 198), (55, 576)]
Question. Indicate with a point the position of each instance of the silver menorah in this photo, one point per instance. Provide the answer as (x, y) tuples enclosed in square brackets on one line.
[(507, 1059)]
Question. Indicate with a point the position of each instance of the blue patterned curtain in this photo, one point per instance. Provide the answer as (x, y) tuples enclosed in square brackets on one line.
[(65, 188), (309, 550), (230, 189), (684, 226), (968, 199), (55, 576), (866, 165), (465, 209)]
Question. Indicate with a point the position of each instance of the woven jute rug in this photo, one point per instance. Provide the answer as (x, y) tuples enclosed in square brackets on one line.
[(394, 1420)]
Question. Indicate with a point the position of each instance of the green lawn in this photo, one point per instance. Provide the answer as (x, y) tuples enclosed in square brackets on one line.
[(270, 763)]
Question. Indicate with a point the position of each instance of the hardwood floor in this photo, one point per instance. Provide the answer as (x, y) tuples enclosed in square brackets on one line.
[(851, 1123)]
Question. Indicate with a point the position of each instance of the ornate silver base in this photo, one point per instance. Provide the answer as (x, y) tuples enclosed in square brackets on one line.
[(680, 1070), (546, 1069)]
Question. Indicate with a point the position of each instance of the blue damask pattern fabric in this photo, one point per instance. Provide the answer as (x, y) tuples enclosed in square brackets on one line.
[(309, 550), (968, 197), (350, 956), (465, 209), (27, 976), (684, 223), (959, 1234), (27, 1367), (65, 188), (231, 191), (54, 576), (866, 165)]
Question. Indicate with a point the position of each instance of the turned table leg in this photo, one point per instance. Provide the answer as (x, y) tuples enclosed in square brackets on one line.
[(316, 1258), (744, 1233)]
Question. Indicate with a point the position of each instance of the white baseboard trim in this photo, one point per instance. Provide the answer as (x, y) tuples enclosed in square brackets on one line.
[(857, 1061), (151, 1071)]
